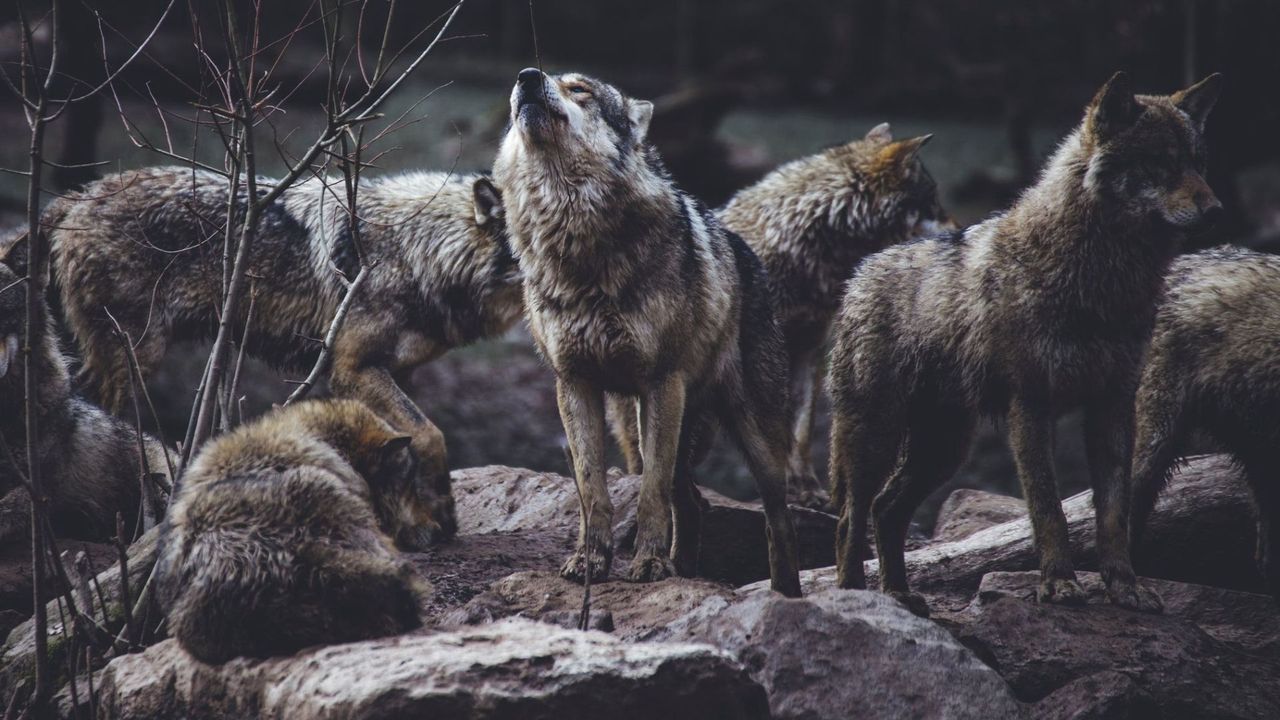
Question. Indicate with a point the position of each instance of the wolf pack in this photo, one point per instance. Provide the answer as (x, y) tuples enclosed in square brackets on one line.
[(664, 322)]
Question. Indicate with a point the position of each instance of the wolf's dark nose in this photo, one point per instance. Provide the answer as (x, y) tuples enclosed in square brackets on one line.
[(529, 77)]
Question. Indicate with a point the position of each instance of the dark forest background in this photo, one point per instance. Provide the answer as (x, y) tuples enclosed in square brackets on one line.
[(740, 87)]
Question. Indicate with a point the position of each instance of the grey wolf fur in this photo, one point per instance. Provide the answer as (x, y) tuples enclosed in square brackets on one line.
[(88, 459), (633, 288), (1212, 367), (147, 246), (280, 535), (1039, 309), (811, 221)]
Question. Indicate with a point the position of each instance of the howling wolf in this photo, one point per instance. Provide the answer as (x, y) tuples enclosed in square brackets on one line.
[(147, 246), (1039, 309), (635, 289)]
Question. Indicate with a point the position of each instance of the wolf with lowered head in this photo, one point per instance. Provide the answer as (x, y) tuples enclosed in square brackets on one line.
[(634, 289), (1042, 308)]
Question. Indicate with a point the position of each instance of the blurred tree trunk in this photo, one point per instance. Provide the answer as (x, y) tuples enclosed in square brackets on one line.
[(82, 63)]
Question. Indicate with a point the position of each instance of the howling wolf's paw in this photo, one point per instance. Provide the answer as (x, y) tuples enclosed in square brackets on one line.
[(1135, 596), (650, 568), (1061, 591), (575, 567), (911, 601)]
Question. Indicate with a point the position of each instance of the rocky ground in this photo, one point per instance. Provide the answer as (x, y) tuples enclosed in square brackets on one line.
[(500, 641)]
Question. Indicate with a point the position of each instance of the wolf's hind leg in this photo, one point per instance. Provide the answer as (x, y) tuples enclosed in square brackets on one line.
[(936, 444), (582, 412), (803, 487), (624, 423), (863, 452), (661, 417)]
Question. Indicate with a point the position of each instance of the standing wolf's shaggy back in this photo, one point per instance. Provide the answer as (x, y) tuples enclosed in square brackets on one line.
[(280, 535)]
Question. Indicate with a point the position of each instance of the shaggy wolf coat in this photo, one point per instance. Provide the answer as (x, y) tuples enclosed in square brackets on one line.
[(1042, 308), (89, 460), (1213, 367), (280, 536), (633, 288), (811, 221), (147, 246)]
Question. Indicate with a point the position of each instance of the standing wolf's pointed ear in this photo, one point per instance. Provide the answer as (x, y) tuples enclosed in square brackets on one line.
[(880, 133), (640, 112), (1114, 108), (1199, 99), (904, 151), (487, 201)]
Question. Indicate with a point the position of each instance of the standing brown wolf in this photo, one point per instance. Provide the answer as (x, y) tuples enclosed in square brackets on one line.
[(280, 536), (1045, 307), (146, 245), (88, 459), (1213, 367), (811, 222), (634, 288)]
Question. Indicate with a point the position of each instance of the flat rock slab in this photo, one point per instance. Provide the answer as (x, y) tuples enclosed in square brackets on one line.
[(849, 654), (967, 511), (513, 669), (1103, 661), (630, 611), (1202, 531), (734, 550)]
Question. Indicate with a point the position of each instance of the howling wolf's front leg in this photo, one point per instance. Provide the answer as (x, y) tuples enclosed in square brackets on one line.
[(354, 376), (582, 412), (661, 415)]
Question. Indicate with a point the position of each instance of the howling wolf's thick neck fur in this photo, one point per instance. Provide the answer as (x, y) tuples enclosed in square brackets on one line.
[(580, 215)]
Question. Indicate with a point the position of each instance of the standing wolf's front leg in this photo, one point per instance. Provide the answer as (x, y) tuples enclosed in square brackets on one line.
[(661, 415), (1031, 439), (1108, 436), (353, 376), (582, 412)]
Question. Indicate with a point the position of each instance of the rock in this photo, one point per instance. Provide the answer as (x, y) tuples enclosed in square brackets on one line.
[(967, 511), (1102, 661), (501, 499), (848, 654), (633, 611), (511, 669), (18, 654), (1201, 532), (15, 571)]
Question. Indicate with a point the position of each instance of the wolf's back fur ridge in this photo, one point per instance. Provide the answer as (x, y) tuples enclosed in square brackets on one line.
[(280, 536)]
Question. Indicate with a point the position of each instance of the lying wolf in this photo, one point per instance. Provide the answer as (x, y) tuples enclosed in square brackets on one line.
[(1212, 367), (89, 464), (1042, 308), (812, 221), (147, 246), (280, 535), (634, 288)]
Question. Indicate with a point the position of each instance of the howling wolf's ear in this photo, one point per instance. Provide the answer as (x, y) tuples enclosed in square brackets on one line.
[(880, 133), (14, 254), (1199, 99), (640, 112), (487, 201), (904, 151), (1114, 108)]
